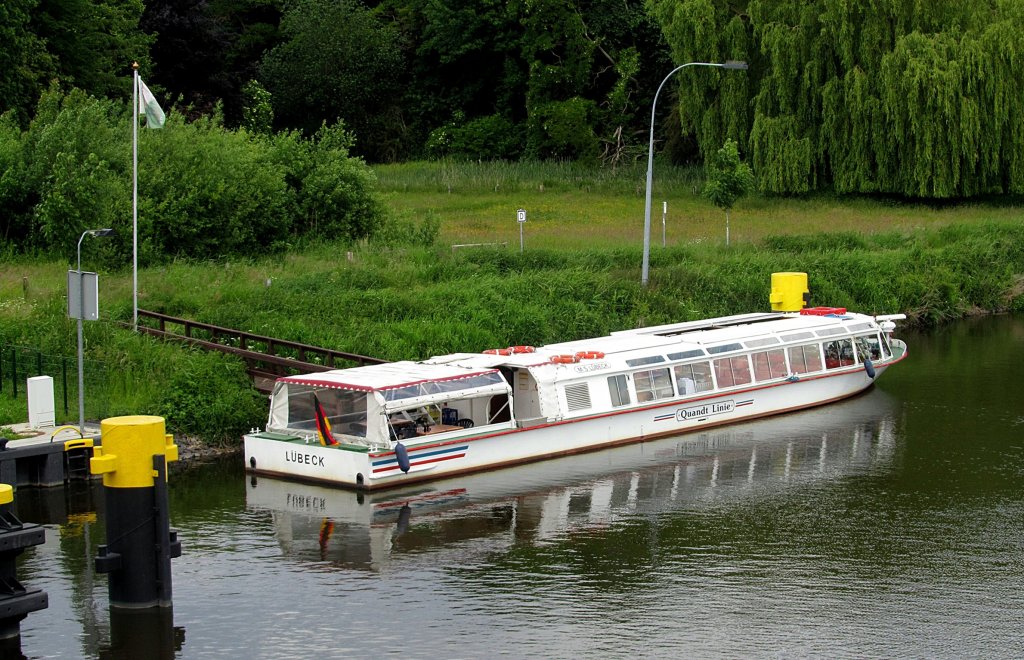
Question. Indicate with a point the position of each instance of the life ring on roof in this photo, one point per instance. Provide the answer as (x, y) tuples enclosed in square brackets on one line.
[(564, 359), (522, 349), (590, 355), (498, 351)]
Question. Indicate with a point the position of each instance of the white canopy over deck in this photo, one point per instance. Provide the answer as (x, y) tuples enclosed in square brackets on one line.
[(358, 401)]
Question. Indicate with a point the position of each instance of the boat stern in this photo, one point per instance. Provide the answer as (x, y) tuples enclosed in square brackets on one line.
[(300, 457)]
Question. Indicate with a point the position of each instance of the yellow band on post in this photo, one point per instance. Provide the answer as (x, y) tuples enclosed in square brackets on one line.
[(129, 443), (6, 493)]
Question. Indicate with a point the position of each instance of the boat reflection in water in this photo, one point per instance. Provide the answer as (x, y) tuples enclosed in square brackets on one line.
[(547, 501)]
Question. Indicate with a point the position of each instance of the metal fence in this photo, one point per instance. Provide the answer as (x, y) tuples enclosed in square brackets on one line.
[(19, 363)]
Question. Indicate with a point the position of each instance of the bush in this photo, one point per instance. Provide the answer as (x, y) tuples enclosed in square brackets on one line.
[(485, 138), (211, 397), (563, 129), (204, 191)]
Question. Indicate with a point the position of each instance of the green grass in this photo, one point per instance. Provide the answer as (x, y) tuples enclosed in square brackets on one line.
[(572, 207)]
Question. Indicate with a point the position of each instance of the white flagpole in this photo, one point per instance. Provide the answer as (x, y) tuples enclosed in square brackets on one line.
[(135, 198)]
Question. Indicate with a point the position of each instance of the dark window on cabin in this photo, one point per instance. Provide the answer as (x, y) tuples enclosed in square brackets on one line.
[(725, 348), (805, 359), (839, 353), (618, 390), (732, 371), (653, 385), (769, 364), (639, 362), (685, 355)]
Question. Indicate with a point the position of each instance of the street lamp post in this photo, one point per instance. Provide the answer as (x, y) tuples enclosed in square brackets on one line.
[(731, 64), (81, 316)]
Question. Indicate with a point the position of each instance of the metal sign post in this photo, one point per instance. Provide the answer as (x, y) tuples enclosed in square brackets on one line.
[(521, 219), (83, 304), (664, 213)]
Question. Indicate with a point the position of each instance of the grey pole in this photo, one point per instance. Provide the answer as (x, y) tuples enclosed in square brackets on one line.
[(81, 317), (650, 158), (81, 313)]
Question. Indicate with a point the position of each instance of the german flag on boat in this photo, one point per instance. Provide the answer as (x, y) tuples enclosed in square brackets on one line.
[(323, 426)]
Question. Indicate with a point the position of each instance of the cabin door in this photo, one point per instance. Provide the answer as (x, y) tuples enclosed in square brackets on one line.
[(524, 395)]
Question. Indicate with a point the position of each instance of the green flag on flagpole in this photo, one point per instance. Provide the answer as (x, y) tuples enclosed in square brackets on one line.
[(149, 106)]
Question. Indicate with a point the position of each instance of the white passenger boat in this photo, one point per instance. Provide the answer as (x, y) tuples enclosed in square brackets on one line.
[(386, 425), (530, 505)]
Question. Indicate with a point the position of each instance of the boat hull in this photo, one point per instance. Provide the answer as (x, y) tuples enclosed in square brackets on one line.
[(465, 453)]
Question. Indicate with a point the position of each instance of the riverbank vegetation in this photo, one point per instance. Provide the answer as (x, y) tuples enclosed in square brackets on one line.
[(578, 277)]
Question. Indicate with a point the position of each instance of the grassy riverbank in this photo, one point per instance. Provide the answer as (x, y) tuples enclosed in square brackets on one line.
[(578, 277)]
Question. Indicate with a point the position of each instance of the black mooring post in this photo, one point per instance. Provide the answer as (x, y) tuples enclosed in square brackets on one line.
[(15, 600), (148, 634), (140, 544)]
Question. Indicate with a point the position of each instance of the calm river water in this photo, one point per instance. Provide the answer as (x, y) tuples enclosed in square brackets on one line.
[(888, 525)]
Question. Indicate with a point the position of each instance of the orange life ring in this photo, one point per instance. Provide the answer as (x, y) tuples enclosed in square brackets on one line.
[(564, 359), (498, 351), (521, 349), (590, 355)]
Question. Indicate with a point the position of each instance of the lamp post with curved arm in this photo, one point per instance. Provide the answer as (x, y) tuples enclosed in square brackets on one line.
[(731, 64)]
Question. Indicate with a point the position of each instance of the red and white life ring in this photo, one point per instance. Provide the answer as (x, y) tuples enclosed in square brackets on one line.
[(564, 359), (590, 355), (498, 351), (521, 349)]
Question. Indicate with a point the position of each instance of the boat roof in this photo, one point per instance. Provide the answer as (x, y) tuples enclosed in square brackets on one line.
[(386, 376), (771, 328)]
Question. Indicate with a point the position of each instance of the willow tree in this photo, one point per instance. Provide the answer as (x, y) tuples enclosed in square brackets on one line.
[(893, 96)]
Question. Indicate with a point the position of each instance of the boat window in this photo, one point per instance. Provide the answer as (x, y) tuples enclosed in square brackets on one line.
[(639, 362), (732, 371), (805, 359), (345, 409), (886, 349), (725, 348), (653, 385), (685, 355), (769, 364), (869, 348), (692, 378), (839, 353), (618, 390), (828, 332), (860, 326), (798, 336), (764, 341)]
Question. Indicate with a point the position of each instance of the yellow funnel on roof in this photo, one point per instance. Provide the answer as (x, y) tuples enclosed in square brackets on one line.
[(789, 292)]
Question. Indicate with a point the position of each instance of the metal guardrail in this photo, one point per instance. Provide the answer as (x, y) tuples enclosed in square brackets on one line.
[(266, 358)]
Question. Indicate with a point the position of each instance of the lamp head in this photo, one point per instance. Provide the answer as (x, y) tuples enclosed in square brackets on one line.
[(734, 64), (100, 232)]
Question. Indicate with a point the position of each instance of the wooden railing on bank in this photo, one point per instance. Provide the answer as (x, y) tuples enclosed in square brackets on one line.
[(266, 358)]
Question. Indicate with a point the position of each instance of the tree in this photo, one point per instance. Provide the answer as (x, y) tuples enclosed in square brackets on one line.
[(24, 63), (337, 60), (896, 97), (93, 43), (728, 179)]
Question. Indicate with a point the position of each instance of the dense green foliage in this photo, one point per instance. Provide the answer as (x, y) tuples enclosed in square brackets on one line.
[(204, 191), (891, 96), (887, 96), (572, 77)]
